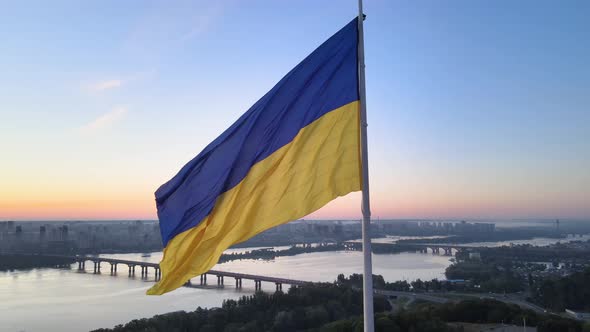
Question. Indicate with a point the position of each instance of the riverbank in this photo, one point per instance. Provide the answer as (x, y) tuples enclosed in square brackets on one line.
[(10, 262), (338, 306), (67, 300)]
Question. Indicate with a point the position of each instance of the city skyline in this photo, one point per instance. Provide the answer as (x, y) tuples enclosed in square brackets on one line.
[(476, 111)]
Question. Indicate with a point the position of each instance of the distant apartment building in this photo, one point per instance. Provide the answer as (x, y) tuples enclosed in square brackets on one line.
[(79, 236)]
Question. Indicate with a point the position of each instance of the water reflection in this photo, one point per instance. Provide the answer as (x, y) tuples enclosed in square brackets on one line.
[(68, 300)]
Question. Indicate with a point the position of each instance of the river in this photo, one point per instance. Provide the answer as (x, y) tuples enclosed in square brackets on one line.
[(68, 300)]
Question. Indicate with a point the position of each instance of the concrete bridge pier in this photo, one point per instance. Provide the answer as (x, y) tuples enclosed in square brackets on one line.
[(238, 283), (204, 279), (81, 265), (113, 268), (257, 285), (279, 286), (158, 274), (96, 267), (219, 281), (448, 251), (131, 270)]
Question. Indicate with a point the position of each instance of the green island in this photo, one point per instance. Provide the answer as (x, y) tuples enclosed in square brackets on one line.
[(10, 262)]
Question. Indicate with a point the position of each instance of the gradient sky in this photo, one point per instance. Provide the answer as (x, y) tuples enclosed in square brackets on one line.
[(477, 109)]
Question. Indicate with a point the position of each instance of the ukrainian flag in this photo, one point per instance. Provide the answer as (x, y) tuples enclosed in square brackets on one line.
[(292, 152)]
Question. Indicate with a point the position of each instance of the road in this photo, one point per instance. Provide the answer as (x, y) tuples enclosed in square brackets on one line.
[(440, 298), (413, 296)]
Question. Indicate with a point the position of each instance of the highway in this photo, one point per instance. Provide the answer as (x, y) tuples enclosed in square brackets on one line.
[(440, 298), (413, 296)]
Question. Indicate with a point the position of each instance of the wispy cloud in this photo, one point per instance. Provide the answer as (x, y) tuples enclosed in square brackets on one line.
[(122, 80), (104, 121), (106, 85), (163, 29), (199, 25)]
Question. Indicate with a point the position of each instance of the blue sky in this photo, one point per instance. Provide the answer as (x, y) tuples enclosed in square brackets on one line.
[(477, 109)]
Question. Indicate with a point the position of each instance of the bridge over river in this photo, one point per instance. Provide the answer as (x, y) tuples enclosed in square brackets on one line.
[(146, 266), (439, 297)]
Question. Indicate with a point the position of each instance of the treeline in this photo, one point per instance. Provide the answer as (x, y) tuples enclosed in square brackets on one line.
[(317, 308), (30, 261), (306, 308), (496, 236), (488, 276), (356, 280), (489, 311), (338, 307), (435, 285), (526, 252), (571, 292), (477, 276), (268, 254), (435, 318), (404, 321)]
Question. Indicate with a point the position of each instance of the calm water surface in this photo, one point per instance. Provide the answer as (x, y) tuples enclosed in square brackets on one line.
[(67, 300)]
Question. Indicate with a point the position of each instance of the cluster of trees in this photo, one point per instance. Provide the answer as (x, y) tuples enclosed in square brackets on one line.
[(571, 292), (405, 321), (377, 248), (388, 248), (482, 278), (435, 285), (486, 276), (338, 307), (269, 254), (496, 236), (434, 318), (30, 261), (492, 311), (302, 308), (356, 280), (527, 252)]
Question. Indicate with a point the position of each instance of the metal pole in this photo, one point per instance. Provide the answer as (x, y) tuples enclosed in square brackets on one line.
[(366, 207)]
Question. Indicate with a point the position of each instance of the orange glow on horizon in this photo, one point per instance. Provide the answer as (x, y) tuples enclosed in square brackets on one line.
[(79, 210), (101, 205)]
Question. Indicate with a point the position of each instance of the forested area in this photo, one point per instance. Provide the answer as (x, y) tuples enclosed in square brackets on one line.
[(571, 292), (31, 261), (486, 276), (338, 307)]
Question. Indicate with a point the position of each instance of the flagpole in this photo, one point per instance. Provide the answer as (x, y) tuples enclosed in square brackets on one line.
[(366, 207)]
